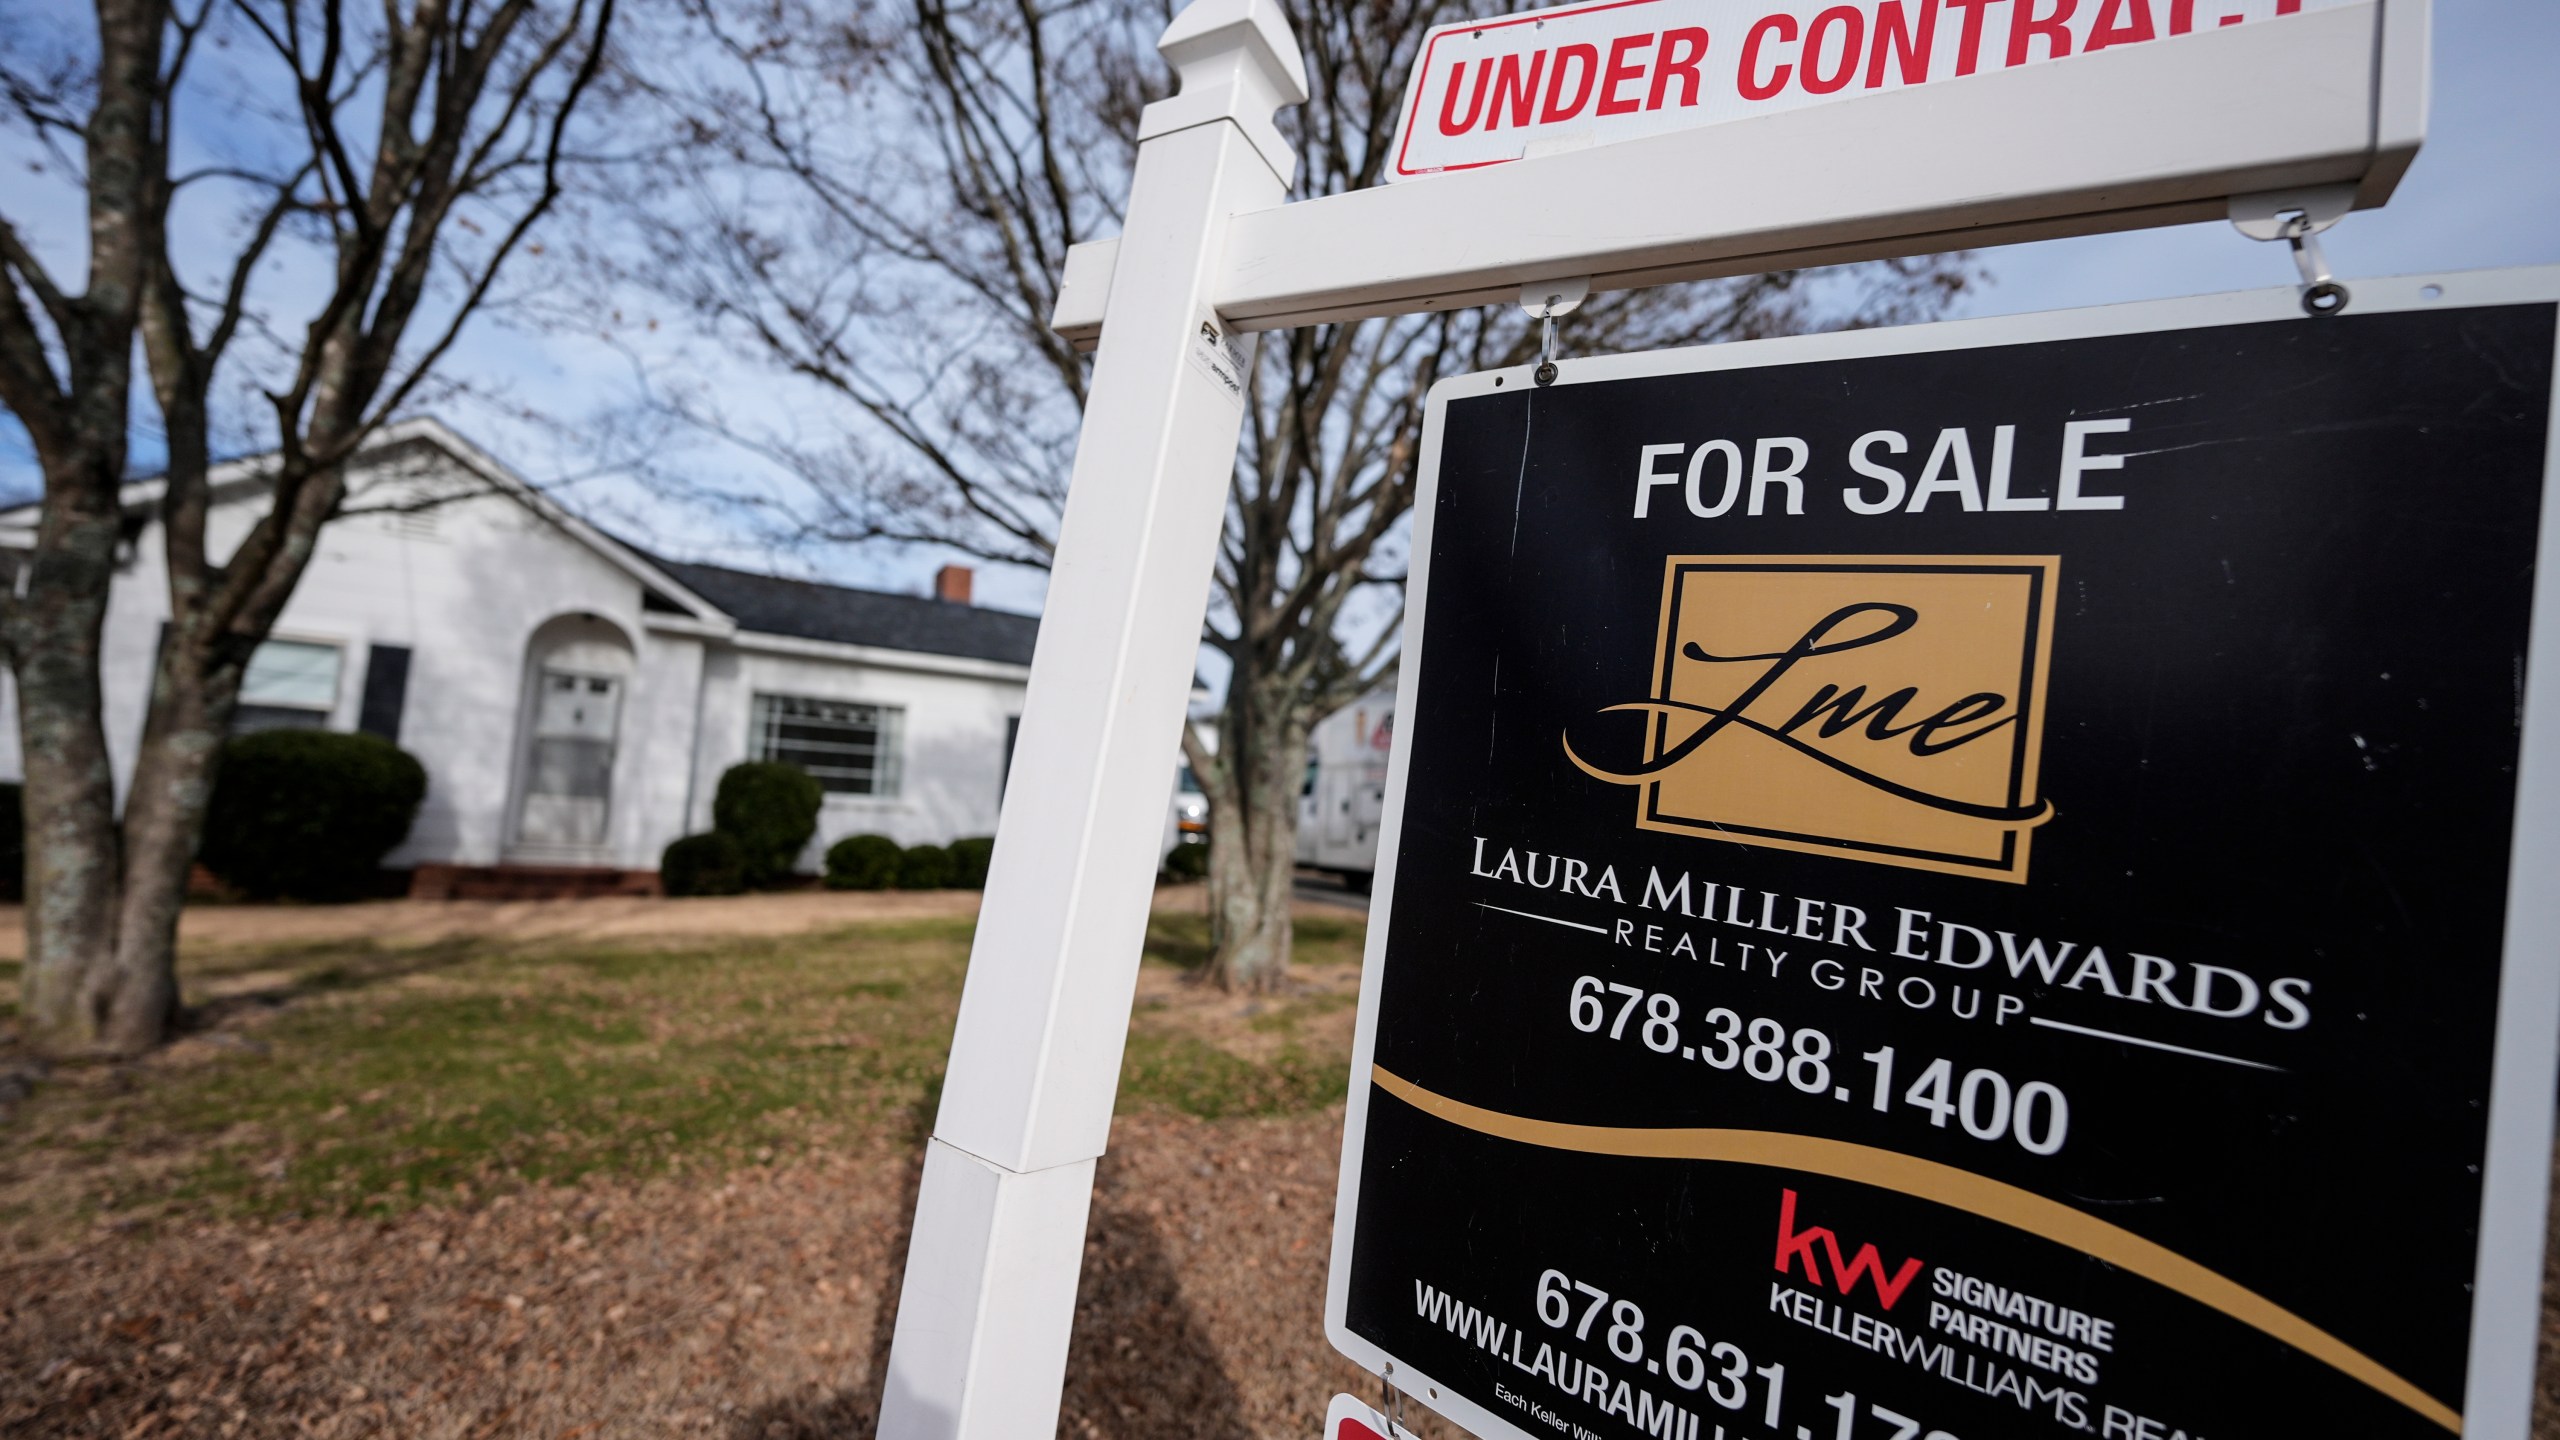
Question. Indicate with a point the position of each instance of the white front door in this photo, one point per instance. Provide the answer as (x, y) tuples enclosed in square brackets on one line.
[(569, 775)]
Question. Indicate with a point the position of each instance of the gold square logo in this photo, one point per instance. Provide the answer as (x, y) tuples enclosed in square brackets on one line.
[(1885, 708)]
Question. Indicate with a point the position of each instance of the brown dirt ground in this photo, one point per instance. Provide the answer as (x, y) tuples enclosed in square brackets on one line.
[(749, 1305), (402, 923), (748, 1308)]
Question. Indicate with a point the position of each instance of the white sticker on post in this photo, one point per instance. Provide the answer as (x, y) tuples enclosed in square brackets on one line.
[(1221, 354)]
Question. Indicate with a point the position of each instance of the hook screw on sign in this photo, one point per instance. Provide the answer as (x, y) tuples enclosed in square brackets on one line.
[(1544, 300), (2297, 217)]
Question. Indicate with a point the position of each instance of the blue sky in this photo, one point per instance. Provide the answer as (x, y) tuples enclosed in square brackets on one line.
[(2484, 192)]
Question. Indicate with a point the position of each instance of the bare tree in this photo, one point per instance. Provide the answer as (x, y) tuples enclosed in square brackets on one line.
[(400, 155), (880, 216)]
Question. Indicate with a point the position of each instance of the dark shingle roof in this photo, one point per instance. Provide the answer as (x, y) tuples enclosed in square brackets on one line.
[(811, 611)]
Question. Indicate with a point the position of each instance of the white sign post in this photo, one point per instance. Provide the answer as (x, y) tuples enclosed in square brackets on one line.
[(2316, 111)]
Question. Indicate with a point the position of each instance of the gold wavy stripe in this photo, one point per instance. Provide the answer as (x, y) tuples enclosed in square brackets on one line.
[(1947, 1185)]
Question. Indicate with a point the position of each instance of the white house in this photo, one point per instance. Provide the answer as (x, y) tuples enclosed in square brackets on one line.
[(573, 698)]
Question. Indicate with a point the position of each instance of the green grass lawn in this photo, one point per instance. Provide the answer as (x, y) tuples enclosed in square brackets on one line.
[(356, 1079)]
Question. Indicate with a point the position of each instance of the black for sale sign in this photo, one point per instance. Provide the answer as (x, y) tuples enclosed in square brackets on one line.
[(1965, 883)]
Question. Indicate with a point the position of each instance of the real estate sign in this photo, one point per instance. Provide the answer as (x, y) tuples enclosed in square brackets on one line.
[(1974, 881), (1486, 91)]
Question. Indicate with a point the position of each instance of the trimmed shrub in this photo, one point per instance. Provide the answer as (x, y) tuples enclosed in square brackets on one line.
[(863, 862), (1187, 862), (771, 810), (309, 814), (707, 864), (969, 857), (13, 844), (924, 867)]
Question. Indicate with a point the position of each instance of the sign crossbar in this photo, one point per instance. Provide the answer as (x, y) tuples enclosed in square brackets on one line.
[(2258, 108)]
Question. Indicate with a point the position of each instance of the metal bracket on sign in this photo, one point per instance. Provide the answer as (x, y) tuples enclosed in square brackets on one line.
[(1545, 300), (1391, 1399), (2297, 217)]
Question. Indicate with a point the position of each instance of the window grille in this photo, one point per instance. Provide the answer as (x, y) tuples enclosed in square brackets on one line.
[(849, 748)]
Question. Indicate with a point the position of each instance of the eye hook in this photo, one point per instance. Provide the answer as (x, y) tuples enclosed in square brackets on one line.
[(2297, 217), (2321, 292), (1544, 300)]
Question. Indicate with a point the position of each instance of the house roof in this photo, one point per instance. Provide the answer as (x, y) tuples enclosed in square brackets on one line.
[(808, 610), (232, 478), (766, 604)]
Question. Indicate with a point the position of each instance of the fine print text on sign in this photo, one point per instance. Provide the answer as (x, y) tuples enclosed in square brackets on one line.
[(1484, 91), (1953, 884)]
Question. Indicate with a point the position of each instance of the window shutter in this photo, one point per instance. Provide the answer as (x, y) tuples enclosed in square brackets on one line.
[(386, 690)]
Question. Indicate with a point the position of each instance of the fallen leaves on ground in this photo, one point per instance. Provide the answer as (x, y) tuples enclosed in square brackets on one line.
[(751, 1308)]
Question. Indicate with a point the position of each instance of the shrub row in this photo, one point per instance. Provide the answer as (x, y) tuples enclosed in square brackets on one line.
[(294, 815), (765, 813), (308, 814), (761, 816), (876, 862), (710, 863)]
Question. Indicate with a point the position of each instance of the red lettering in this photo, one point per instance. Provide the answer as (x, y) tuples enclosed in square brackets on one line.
[(2182, 16), (1669, 61), (1838, 16), (1969, 40), (2055, 28), (1792, 1246), (1450, 124), (1896, 38), (1555, 109), (1619, 72), (1870, 1264), (1784, 27), (2288, 7), (1795, 1245), (1512, 90), (2115, 27)]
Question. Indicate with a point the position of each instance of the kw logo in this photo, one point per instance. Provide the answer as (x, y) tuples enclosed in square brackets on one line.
[(1795, 1245), (1884, 708)]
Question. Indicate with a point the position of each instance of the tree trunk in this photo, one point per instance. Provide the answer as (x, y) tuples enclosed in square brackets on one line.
[(191, 705), (1253, 833), (73, 996)]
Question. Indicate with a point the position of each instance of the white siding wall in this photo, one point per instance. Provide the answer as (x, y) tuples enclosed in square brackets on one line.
[(650, 774), (464, 589), (952, 742)]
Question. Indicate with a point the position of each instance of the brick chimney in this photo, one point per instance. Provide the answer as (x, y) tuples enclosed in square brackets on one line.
[(951, 584)]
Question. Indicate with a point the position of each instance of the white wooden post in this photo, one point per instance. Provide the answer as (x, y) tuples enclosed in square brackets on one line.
[(980, 1350)]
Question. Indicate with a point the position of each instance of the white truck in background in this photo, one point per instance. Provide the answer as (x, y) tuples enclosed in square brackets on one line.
[(1186, 815), (1344, 798), (1186, 818)]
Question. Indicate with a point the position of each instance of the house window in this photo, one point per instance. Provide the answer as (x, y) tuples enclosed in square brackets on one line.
[(849, 749), (289, 683)]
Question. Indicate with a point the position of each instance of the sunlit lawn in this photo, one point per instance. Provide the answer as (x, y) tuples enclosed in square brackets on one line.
[(358, 1079)]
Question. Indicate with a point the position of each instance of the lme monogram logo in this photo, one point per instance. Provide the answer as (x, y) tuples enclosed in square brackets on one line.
[(1886, 708)]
